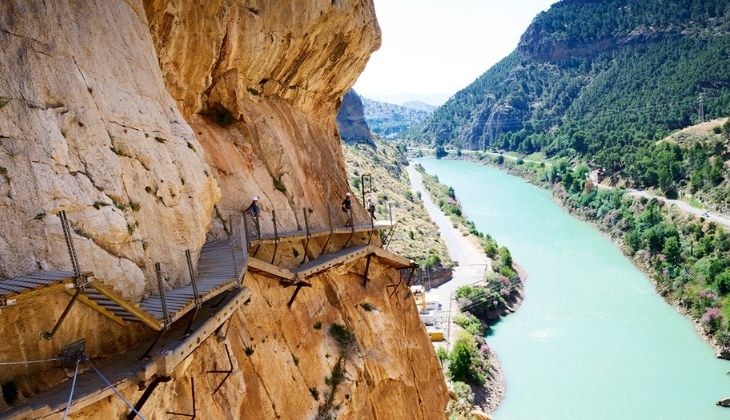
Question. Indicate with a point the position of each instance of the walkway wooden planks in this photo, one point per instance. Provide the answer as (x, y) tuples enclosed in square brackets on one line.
[(221, 267), (31, 285)]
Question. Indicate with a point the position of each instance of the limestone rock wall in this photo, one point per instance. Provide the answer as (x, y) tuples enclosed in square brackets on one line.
[(261, 83), (149, 123), (284, 363), (87, 126)]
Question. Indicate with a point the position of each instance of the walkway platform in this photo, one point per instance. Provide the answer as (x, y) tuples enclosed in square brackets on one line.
[(301, 234), (326, 262), (34, 284), (126, 370), (221, 267)]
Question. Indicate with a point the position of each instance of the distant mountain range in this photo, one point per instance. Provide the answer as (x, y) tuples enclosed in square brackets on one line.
[(601, 80), (420, 106), (392, 121)]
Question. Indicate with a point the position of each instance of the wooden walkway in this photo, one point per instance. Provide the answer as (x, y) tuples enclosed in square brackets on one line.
[(326, 262), (15, 290), (221, 267)]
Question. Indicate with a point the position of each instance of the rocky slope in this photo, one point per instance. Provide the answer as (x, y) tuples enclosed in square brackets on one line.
[(416, 236), (351, 120), (150, 122)]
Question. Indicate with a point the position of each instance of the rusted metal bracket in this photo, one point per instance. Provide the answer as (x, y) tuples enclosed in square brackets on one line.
[(222, 334), (395, 286), (73, 354), (306, 232), (299, 284), (146, 395), (228, 372), (367, 270), (191, 416), (48, 335), (294, 295), (276, 237), (196, 294), (332, 230)]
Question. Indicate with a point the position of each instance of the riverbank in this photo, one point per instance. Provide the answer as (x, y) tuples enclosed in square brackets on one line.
[(687, 298), (473, 269)]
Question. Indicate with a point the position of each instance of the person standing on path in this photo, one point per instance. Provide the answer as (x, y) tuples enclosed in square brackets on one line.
[(371, 207), (347, 208), (254, 211)]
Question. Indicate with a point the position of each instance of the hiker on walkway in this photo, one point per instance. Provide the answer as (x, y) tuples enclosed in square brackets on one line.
[(371, 207), (347, 208), (254, 211)]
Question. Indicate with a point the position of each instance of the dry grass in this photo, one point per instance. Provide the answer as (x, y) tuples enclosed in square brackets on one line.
[(416, 236)]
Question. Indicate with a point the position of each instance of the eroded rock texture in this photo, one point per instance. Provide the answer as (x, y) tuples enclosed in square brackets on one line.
[(150, 123), (88, 127)]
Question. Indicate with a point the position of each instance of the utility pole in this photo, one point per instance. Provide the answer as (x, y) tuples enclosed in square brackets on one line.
[(701, 108)]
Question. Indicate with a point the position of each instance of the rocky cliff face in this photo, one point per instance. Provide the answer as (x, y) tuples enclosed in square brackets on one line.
[(351, 120), (149, 123)]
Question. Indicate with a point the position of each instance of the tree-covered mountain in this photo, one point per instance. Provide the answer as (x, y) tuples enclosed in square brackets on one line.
[(392, 121), (597, 79)]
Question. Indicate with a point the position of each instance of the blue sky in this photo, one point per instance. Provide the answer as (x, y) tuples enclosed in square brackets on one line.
[(433, 48)]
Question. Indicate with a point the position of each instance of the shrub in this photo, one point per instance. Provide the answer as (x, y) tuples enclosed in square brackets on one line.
[(465, 361), (442, 354), (722, 282), (505, 256), (711, 320), (469, 323), (344, 338)]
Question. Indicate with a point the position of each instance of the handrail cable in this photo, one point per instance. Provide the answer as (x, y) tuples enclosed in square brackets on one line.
[(106, 381), (73, 388)]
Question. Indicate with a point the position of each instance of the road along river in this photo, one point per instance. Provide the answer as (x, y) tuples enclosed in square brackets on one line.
[(592, 339)]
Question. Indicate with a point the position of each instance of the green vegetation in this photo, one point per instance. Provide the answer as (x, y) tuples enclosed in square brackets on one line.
[(344, 337), (466, 362), (462, 406), (417, 237), (689, 259), (469, 323), (602, 82)]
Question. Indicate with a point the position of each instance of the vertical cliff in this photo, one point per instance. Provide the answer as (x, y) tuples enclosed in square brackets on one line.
[(149, 123)]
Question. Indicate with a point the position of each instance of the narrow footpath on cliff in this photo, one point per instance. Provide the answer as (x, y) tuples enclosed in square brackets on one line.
[(472, 262)]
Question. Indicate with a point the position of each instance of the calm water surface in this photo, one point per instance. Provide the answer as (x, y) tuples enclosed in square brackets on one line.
[(592, 340)]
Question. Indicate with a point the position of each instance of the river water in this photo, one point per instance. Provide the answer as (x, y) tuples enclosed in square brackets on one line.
[(592, 339)]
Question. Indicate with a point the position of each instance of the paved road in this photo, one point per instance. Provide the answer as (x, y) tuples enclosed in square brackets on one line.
[(720, 219), (471, 259)]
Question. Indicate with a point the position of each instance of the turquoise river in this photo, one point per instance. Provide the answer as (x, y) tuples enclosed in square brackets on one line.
[(592, 339)]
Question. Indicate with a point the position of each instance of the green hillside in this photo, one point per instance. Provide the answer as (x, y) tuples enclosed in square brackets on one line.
[(598, 80)]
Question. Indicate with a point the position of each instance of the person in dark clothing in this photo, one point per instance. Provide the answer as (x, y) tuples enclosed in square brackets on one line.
[(347, 208), (254, 209), (371, 207)]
